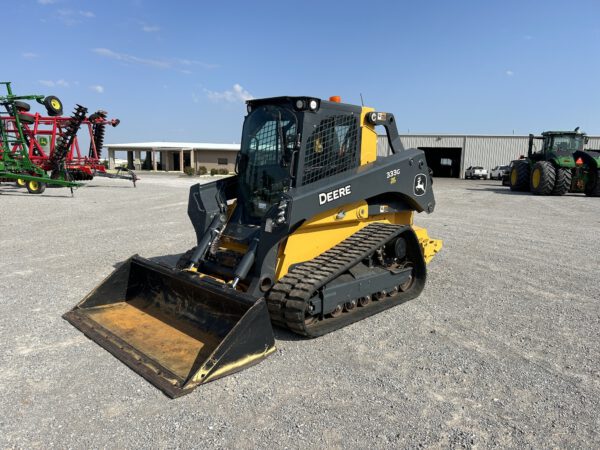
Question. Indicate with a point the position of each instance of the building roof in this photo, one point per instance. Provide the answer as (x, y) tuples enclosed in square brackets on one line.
[(173, 146)]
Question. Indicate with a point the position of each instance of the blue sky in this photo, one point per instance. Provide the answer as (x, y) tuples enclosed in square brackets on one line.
[(180, 70)]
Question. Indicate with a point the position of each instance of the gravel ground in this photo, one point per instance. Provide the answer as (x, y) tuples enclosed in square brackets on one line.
[(501, 350)]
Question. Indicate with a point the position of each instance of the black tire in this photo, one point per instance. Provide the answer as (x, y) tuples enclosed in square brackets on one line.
[(518, 179), (592, 188), (562, 184), (21, 106), (21, 182), (26, 119), (53, 105), (36, 187), (543, 178)]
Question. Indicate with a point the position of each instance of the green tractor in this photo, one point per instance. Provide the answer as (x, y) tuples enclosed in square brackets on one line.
[(561, 165), (15, 163)]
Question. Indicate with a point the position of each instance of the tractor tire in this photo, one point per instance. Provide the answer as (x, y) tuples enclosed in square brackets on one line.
[(592, 188), (562, 184), (53, 106), (543, 178), (36, 187), (518, 179)]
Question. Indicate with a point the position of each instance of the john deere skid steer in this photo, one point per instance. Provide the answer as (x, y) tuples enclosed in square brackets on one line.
[(314, 232)]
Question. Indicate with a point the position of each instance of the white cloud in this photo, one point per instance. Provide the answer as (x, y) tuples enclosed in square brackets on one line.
[(70, 17), (124, 57), (509, 73), (51, 83), (237, 94), (153, 62), (150, 28), (46, 2), (29, 55), (193, 62), (97, 88)]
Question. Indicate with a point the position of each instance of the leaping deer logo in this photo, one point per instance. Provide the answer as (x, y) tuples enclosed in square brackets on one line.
[(420, 184)]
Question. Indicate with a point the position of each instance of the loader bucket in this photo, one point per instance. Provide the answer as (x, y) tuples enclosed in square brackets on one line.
[(172, 327)]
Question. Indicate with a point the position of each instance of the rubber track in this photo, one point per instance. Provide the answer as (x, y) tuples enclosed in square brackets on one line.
[(288, 299)]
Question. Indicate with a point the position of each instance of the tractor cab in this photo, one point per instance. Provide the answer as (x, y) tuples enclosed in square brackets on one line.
[(556, 144)]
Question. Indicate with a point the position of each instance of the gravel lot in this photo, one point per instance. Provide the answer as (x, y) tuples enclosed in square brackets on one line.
[(501, 350)]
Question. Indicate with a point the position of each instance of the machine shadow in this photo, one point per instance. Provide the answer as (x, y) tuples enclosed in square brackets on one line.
[(507, 191), (14, 193), (499, 190)]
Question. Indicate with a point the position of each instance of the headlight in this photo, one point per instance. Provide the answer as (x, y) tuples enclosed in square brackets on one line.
[(300, 104), (281, 212), (249, 108), (313, 105)]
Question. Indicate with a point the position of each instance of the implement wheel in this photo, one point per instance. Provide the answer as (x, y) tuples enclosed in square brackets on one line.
[(20, 182), (562, 185), (53, 106), (592, 188), (36, 187), (21, 106), (519, 176), (543, 178)]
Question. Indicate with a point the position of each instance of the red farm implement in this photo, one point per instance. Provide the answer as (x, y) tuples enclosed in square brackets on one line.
[(62, 148)]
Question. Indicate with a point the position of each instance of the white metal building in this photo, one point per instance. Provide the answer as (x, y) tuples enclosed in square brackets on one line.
[(175, 156), (449, 155)]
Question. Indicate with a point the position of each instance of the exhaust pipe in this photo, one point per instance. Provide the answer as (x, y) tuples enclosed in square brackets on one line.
[(175, 329)]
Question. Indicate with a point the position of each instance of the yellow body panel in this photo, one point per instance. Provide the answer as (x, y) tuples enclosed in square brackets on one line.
[(368, 142), (329, 229)]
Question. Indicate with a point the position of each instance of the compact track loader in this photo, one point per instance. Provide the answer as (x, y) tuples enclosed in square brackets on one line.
[(314, 232)]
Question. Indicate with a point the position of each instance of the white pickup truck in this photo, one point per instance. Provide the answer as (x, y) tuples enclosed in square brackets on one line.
[(476, 172), (498, 172)]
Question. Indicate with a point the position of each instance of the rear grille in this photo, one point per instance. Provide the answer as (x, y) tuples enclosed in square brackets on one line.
[(331, 148)]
